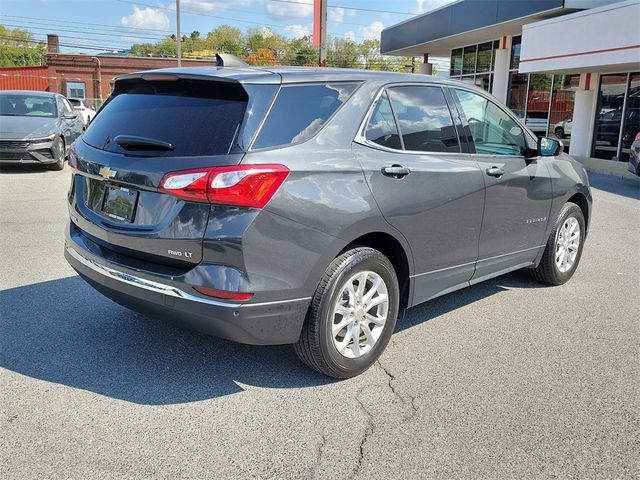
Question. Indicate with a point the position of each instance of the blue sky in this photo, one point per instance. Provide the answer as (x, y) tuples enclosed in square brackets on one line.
[(90, 25)]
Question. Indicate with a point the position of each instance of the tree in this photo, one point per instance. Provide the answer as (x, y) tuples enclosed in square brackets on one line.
[(257, 38), (17, 48), (225, 39), (299, 51), (263, 57), (343, 53)]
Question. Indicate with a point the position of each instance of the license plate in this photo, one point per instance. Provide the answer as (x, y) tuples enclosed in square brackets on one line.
[(119, 203)]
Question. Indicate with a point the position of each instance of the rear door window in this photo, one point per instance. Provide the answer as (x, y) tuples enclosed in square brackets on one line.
[(424, 119), (300, 111), (197, 117), (382, 128)]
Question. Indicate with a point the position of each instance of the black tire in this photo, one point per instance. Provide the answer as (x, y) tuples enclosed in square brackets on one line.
[(559, 132), (59, 155), (548, 271), (316, 346)]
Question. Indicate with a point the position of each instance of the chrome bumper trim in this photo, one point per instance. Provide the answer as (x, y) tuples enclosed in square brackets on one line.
[(161, 287)]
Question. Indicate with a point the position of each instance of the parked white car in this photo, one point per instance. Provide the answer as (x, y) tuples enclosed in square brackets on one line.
[(563, 129), (79, 105)]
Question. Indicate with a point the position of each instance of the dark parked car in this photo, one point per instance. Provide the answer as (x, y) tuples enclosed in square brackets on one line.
[(312, 206), (36, 128)]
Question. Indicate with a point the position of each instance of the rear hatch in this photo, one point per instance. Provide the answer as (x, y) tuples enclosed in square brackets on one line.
[(153, 124)]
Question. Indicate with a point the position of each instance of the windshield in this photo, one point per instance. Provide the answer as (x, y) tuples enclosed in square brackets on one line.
[(24, 105)]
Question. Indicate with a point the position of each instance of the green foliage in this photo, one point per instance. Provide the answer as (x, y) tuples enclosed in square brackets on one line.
[(17, 48)]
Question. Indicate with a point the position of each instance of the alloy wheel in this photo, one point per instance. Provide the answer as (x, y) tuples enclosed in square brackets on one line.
[(359, 314), (567, 244)]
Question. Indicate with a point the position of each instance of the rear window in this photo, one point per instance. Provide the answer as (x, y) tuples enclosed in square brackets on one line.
[(196, 117), (74, 102), (300, 111)]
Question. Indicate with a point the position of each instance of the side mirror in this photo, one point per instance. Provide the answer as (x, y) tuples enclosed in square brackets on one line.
[(549, 147)]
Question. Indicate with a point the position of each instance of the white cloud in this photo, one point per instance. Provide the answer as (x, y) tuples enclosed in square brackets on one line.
[(296, 10), (427, 5), (337, 14), (350, 35), (210, 5), (372, 32), (297, 31), (146, 18)]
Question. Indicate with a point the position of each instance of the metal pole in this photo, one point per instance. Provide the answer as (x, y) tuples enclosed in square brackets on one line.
[(178, 32)]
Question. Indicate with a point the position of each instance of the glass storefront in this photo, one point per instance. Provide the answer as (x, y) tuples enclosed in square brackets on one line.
[(617, 116), (474, 64)]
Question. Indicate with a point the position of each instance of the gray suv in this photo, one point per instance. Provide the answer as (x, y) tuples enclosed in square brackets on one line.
[(313, 206)]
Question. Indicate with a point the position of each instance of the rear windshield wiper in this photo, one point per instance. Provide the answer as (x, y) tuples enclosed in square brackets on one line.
[(132, 141)]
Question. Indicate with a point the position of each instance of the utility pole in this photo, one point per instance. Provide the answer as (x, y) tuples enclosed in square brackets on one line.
[(178, 38), (320, 30)]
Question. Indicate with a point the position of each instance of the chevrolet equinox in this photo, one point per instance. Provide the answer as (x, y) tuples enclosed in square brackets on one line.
[(313, 206)]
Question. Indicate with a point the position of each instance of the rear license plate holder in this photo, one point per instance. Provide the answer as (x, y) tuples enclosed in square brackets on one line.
[(119, 203)]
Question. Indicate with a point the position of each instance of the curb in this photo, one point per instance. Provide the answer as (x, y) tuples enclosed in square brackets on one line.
[(607, 167)]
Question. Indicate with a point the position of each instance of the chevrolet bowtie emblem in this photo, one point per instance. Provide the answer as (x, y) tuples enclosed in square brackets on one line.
[(106, 172)]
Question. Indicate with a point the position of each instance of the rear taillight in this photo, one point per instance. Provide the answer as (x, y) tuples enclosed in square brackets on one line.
[(241, 185), (80, 109)]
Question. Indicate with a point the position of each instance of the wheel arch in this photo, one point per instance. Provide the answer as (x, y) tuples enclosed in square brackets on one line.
[(580, 199), (393, 249)]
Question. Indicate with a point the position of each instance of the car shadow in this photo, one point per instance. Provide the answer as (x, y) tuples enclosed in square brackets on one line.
[(62, 331), (625, 187), (28, 168), (466, 296)]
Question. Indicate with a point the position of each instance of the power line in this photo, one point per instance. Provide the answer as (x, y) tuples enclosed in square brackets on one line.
[(298, 2), (200, 14)]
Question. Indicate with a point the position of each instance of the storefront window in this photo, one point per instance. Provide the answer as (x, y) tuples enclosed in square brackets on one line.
[(456, 62), (469, 60), (517, 94), (562, 102), (484, 81), (484, 57), (538, 98), (515, 53), (609, 115), (631, 125)]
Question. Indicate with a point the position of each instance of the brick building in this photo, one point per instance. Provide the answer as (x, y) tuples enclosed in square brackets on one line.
[(91, 77), (81, 75)]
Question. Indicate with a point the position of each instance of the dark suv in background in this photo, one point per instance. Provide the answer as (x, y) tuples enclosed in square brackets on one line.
[(312, 206)]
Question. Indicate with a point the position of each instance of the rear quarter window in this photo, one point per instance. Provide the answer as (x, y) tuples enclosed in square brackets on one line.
[(299, 112)]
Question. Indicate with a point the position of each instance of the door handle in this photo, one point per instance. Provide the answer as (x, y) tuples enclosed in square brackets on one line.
[(495, 172), (396, 171)]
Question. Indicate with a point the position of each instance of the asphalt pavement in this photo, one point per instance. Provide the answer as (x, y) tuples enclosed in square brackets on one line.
[(506, 379)]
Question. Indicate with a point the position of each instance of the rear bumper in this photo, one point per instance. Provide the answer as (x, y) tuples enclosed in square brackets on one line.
[(266, 323)]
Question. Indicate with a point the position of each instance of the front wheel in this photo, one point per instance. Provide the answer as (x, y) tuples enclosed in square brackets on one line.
[(59, 152), (352, 314), (564, 247)]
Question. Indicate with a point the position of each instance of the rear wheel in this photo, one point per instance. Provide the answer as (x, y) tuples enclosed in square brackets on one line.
[(59, 152), (559, 132), (352, 315), (564, 247)]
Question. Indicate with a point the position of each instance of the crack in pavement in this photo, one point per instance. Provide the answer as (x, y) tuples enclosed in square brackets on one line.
[(403, 400), (319, 448), (411, 401), (368, 431)]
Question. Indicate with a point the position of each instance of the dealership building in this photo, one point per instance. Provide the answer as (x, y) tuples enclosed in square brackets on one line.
[(567, 68)]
